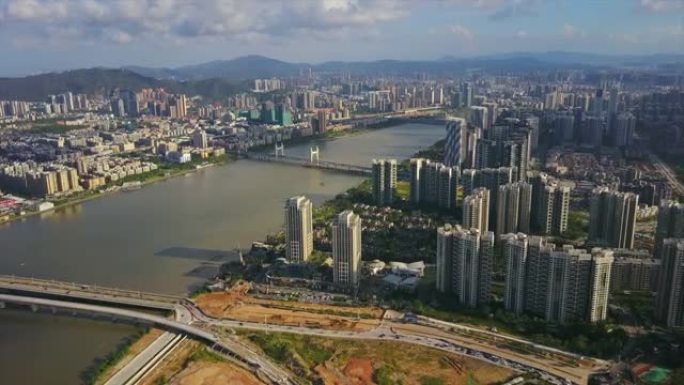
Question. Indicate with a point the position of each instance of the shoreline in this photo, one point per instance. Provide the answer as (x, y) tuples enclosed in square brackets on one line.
[(104, 193), (329, 136)]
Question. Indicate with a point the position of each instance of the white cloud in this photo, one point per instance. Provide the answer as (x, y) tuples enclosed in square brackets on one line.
[(185, 19), (572, 32), (521, 34), (662, 5), (462, 32)]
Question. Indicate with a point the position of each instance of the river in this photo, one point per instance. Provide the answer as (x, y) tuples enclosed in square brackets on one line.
[(166, 237)]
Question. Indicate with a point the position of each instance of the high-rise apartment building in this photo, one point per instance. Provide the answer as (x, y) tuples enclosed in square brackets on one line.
[(514, 204), (199, 139), (443, 261), (550, 205), (670, 297), (433, 183), (346, 247), (613, 218), (515, 257), (298, 228), (622, 130), (567, 284), (384, 181), (599, 280), (492, 179), (455, 145), (471, 257), (476, 210), (478, 117), (635, 274), (415, 193), (670, 223)]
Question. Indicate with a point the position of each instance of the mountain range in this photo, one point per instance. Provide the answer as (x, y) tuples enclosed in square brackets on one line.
[(217, 79), (255, 66)]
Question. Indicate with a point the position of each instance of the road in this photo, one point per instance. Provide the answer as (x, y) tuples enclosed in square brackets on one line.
[(237, 352), (429, 336), (677, 186), (491, 347), (137, 364)]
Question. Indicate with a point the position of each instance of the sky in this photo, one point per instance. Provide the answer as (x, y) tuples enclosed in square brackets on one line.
[(47, 35)]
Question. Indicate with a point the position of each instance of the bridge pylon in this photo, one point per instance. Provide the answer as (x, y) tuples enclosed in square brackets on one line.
[(314, 153), (279, 149)]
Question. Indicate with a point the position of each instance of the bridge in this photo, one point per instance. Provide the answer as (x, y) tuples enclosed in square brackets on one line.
[(181, 326), (312, 162), (190, 321), (86, 292)]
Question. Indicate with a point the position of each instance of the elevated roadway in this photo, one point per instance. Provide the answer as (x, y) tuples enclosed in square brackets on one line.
[(42, 287), (238, 353), (554, 365)]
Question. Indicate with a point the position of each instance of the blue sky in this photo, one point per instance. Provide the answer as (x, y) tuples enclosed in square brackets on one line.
[(46, 35)]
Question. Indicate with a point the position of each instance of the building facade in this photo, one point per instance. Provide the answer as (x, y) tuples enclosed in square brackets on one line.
[(384, 181), (298, 228), (612, 218), (346, 248)]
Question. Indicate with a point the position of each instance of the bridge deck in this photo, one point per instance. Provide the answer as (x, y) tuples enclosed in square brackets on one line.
[(89, 292)]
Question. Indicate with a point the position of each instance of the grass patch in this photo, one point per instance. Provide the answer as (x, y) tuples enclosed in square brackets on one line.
[(100, 365)]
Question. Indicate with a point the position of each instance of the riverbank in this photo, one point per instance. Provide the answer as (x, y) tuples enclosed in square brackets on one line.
[(142, 180), (172, 171)]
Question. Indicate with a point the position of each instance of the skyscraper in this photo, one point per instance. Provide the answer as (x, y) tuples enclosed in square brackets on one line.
[(599, 280), (537, 276), (384, 181), (515, 257), (550, 205), (469, 181), (613, 218), (477, 116), (416, 179), (670, 223), (298, 228), (467, 92), (491, 179), (433, 183), (199, 139), (454, 153), (622, 130), (476, 210), (443, 261), (566, 284), (514, 204), (346, 247), (472, 259), (670, 297)]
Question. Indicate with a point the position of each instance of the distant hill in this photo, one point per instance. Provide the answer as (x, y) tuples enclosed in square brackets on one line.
[(254, 66), (217, 79), (246, 67), (102, 80)]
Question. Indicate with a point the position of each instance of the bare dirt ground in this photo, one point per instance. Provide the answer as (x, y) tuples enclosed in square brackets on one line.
[(359, 372), (133, 351), (412, 364), (208, 373), (237, 305), (356, 362), (190, 364)]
